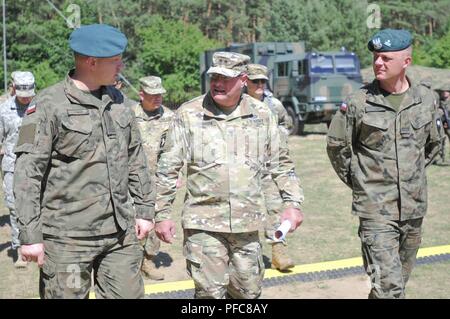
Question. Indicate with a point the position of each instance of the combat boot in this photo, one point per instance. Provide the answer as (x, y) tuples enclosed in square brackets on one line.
[(280, 257), (19, 262), (149, 270)]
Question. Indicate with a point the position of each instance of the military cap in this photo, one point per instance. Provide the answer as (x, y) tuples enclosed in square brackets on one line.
[(257, 71), (389, 40), (152, 85), (229, 64), (24, 83), (98, 40)]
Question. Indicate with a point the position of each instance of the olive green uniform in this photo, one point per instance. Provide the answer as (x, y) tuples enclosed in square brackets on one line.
[(381, 153), (78, 158)]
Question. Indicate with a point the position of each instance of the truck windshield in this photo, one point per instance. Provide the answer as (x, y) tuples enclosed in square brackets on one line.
[(322, 64), (345, 64)]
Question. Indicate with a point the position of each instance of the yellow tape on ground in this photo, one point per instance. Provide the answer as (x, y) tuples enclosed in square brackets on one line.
[(300, 269), (431, 251)]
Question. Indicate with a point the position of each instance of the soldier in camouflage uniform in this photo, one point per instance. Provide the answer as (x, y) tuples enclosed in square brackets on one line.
[(444, 105), (153, 120), (379, 144), (444, 110), (228, 140), (256, 88), (79, 156), (11, 115)]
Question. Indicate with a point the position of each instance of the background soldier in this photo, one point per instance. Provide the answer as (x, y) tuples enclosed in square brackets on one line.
[(379, 144), (79, 156), (227, 140), (153, 120), (444, 110), (256, 88), (11, 115), (445, 99)]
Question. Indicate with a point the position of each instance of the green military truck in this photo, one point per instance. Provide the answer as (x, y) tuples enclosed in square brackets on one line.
[(311, 85)]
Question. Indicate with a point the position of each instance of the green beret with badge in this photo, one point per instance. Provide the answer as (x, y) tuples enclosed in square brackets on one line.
[(390, 40)]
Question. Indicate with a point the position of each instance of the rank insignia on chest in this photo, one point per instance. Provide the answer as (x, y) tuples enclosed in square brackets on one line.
[(256, 121), (31, 109)]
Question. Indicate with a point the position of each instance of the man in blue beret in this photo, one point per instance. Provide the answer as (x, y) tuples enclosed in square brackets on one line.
[(79, 158), (380, 143)]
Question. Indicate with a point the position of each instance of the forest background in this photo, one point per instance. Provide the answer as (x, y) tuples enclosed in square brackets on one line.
[(166, 37)]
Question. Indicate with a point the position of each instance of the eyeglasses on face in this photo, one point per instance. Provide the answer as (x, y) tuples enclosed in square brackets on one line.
[(258, 81)]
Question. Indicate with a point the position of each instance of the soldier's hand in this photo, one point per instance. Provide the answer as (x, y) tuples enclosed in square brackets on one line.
[(294, 215), (33, 252), (143, 227), (165, 230)]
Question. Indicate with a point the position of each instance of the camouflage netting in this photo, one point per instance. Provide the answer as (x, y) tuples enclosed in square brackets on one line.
[(439, 78)]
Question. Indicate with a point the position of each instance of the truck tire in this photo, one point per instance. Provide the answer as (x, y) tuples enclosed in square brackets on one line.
[(301, 128), (295, 125)]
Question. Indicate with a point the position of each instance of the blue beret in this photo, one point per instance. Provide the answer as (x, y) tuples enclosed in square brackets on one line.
[(389, 40), (98, 40)]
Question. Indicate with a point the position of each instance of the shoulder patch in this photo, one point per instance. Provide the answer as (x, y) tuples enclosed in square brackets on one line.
[(31, 109), (27, 134)]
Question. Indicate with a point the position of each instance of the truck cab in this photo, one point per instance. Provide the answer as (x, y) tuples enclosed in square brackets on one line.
[(311, 85)]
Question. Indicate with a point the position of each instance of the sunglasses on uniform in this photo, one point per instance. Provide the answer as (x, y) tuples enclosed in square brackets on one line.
[(258, 81)]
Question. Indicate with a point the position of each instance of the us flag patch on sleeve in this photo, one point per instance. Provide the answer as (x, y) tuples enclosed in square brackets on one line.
[(31, 109)]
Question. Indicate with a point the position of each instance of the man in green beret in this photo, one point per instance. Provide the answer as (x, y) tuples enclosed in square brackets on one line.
[(79, 156), (379, 143)]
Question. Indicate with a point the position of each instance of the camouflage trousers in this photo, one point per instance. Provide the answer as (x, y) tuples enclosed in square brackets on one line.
[(224, 265), (152, 244), (389, 250), (115, 261), (8, 178), (274, 206)]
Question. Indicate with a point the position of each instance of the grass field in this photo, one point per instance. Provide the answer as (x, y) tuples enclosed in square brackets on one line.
[(328, 233)]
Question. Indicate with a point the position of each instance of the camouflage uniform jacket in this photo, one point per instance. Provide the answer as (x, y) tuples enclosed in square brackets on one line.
[(11, 115), (225, 157), (445, 104), (275, 105), (382, 154), (153, 129), (78, 159)]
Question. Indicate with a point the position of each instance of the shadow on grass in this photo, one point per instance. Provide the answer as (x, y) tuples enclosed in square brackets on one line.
[(11, 253), (162, 260), (442, 164), (4, 219), (267, 262), (3, 246), (306, 133)]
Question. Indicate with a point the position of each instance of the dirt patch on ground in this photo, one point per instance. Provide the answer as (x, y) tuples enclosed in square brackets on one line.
[(356, 287)]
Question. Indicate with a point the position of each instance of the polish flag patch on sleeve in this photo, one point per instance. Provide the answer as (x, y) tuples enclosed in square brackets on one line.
[(31, 109)]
